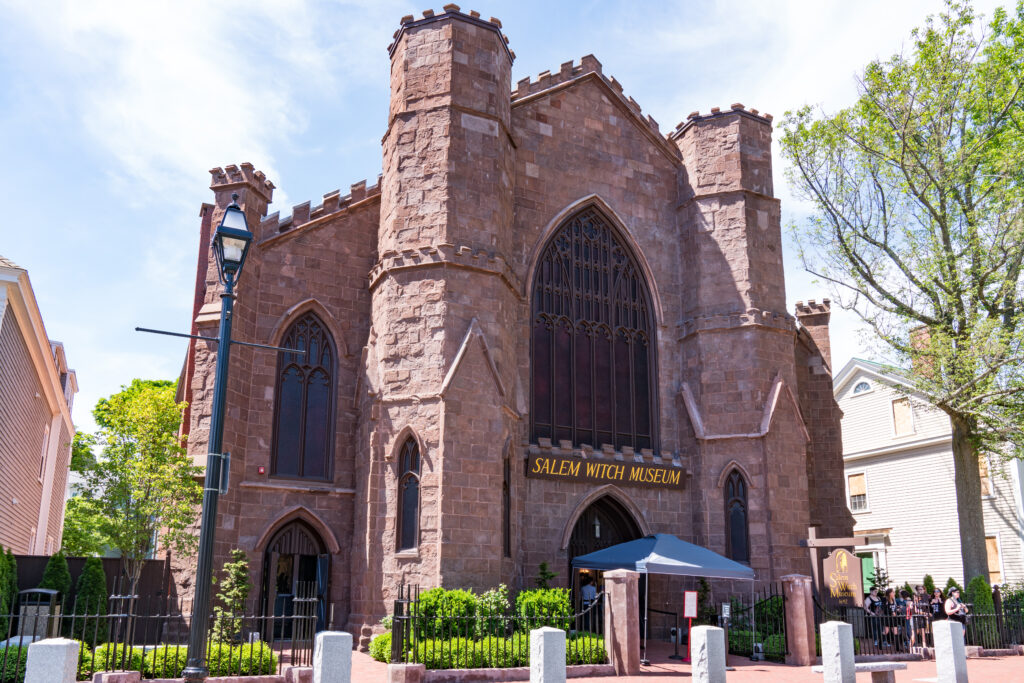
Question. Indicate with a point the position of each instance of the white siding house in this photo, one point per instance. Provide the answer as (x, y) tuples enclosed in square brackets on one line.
[(898, 462)]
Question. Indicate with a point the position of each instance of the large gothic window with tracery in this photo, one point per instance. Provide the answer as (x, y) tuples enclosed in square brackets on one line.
[(737, 533), (408, 536), (304, 408), (593, 359)]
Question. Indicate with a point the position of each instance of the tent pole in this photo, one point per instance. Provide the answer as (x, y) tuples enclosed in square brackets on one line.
[(647, 593), (753, 622)]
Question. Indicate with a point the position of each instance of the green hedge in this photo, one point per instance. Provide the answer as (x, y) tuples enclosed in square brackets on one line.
[(490, 653), (116, 657), (544, 607), (12, 664), (380, 647)]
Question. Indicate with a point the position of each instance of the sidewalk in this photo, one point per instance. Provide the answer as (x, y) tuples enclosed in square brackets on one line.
[(665, 670)]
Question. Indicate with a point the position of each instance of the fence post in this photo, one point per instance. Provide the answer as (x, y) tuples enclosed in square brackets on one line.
[(54, 660), (799, 600), (950, 652), (332, 657), (547, 655), (707, 653), (398, 633), (621, 616)]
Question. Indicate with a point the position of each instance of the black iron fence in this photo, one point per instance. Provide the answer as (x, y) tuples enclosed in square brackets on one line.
[(447, 638), (150, 635), (757, 624), (908, 634)]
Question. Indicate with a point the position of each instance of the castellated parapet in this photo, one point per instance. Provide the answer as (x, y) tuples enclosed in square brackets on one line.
[(551, 214)]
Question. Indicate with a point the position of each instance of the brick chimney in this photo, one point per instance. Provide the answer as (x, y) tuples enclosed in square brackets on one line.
[(814, 318)]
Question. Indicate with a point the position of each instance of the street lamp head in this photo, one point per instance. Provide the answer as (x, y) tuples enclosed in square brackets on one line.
[(231, 241)]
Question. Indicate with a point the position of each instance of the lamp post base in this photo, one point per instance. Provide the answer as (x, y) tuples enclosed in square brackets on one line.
[(195, 673)]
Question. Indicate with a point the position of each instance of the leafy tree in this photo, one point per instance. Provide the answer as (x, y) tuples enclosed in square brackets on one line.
[(91, 602), (929, 584), (917, 193), (12, 573), (880, 579), (234, 591), (83, 528), (979, 594), (544, 576), (142, 483), (56, 575)]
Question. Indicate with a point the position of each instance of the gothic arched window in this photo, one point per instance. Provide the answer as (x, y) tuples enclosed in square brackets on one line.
[(737, 536), (304, 411), (506, 507), (593, 359), (409, 495)]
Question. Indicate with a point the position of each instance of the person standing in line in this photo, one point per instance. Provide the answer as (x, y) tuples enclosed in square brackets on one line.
[(890, 618), (908, 610), (955, 608), (921, 614), (935, 605), (873, 608)]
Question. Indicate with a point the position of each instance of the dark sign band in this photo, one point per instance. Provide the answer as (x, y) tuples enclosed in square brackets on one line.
[(604, 472)]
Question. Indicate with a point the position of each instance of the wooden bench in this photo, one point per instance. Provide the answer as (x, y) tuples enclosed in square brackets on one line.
[(881, 672)]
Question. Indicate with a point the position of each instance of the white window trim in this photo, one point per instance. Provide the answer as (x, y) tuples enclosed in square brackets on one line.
[(870, 390), (892, 417), (867, 498)]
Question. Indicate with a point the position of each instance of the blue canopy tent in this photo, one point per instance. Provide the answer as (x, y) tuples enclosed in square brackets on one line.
[(664, 554)]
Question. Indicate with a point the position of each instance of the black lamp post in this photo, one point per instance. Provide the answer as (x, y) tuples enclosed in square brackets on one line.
[(230, 244)]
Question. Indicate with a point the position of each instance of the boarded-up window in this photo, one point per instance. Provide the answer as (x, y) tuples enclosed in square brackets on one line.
[(858, 492), (986, 480), (995, 565), (902, 417)]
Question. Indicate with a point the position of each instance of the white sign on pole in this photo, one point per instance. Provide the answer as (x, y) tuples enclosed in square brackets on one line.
[(726, 610), (689, 604)]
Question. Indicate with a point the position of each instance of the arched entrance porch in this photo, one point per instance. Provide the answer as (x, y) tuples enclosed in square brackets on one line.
[(602, 524), (295, 565)]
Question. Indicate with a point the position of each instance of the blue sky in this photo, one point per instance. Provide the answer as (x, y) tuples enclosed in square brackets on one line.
[(111, 114)]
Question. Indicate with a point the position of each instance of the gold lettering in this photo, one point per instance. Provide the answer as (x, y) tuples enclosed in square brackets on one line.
[(635, 474), (574, 469), (592, 469), (675, 479), (536, 466)]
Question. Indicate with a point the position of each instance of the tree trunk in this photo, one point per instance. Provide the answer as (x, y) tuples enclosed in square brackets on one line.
[(968, 501)]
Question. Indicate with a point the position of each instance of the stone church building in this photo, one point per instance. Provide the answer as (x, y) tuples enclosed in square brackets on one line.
[(547, 328)]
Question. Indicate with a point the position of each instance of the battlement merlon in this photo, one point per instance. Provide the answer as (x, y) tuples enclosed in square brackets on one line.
[(255, 192), (813, 308), (451, 11)]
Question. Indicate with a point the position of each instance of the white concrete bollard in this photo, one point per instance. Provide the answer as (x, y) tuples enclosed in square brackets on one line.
[(707, 654), (332, 657), (950, 653), (547, 655), (837, 652), (54, 660)]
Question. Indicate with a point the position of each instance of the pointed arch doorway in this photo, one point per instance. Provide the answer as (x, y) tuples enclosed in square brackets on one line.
[(296, 564), (604, 523)]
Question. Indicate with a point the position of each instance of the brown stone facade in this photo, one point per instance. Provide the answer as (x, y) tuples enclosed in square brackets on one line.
[(424, 280)]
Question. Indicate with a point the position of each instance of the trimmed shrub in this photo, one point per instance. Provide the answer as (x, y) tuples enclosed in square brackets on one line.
[(585, 648), (12, 664), (12, 573), (457, 653), (979, 594), (503, 653), (165, 661), (56, 575), (444, 613), (90, 603), (544, 607), (929, 584), (380, 647), (951, 584), (116, 657), (490, 607)]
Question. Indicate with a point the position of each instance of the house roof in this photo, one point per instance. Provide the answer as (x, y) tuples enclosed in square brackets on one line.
[(8, 263), (883, 371)]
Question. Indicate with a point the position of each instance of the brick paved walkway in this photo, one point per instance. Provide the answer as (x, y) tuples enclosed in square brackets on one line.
[(664, 670)]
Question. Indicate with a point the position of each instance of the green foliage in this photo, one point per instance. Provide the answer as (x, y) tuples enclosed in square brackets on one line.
[(234, 591), (929, 584), (83, 528), (143, 483), (165, 661), (544, 607), (544, 576), (907, 587), (1013, 594), (6, 599), (880, 579), (12, 664), (503, 653), (585, 648), (380, 647), (12, 572), (817, 645), (446, 612), (247, 659), (770, 612), (116, 657), (495, 652), (83, 457), (979, 595), (917, 226), (706, 611), (56, 575), (951, 584), (90, 603), (490, 607)]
